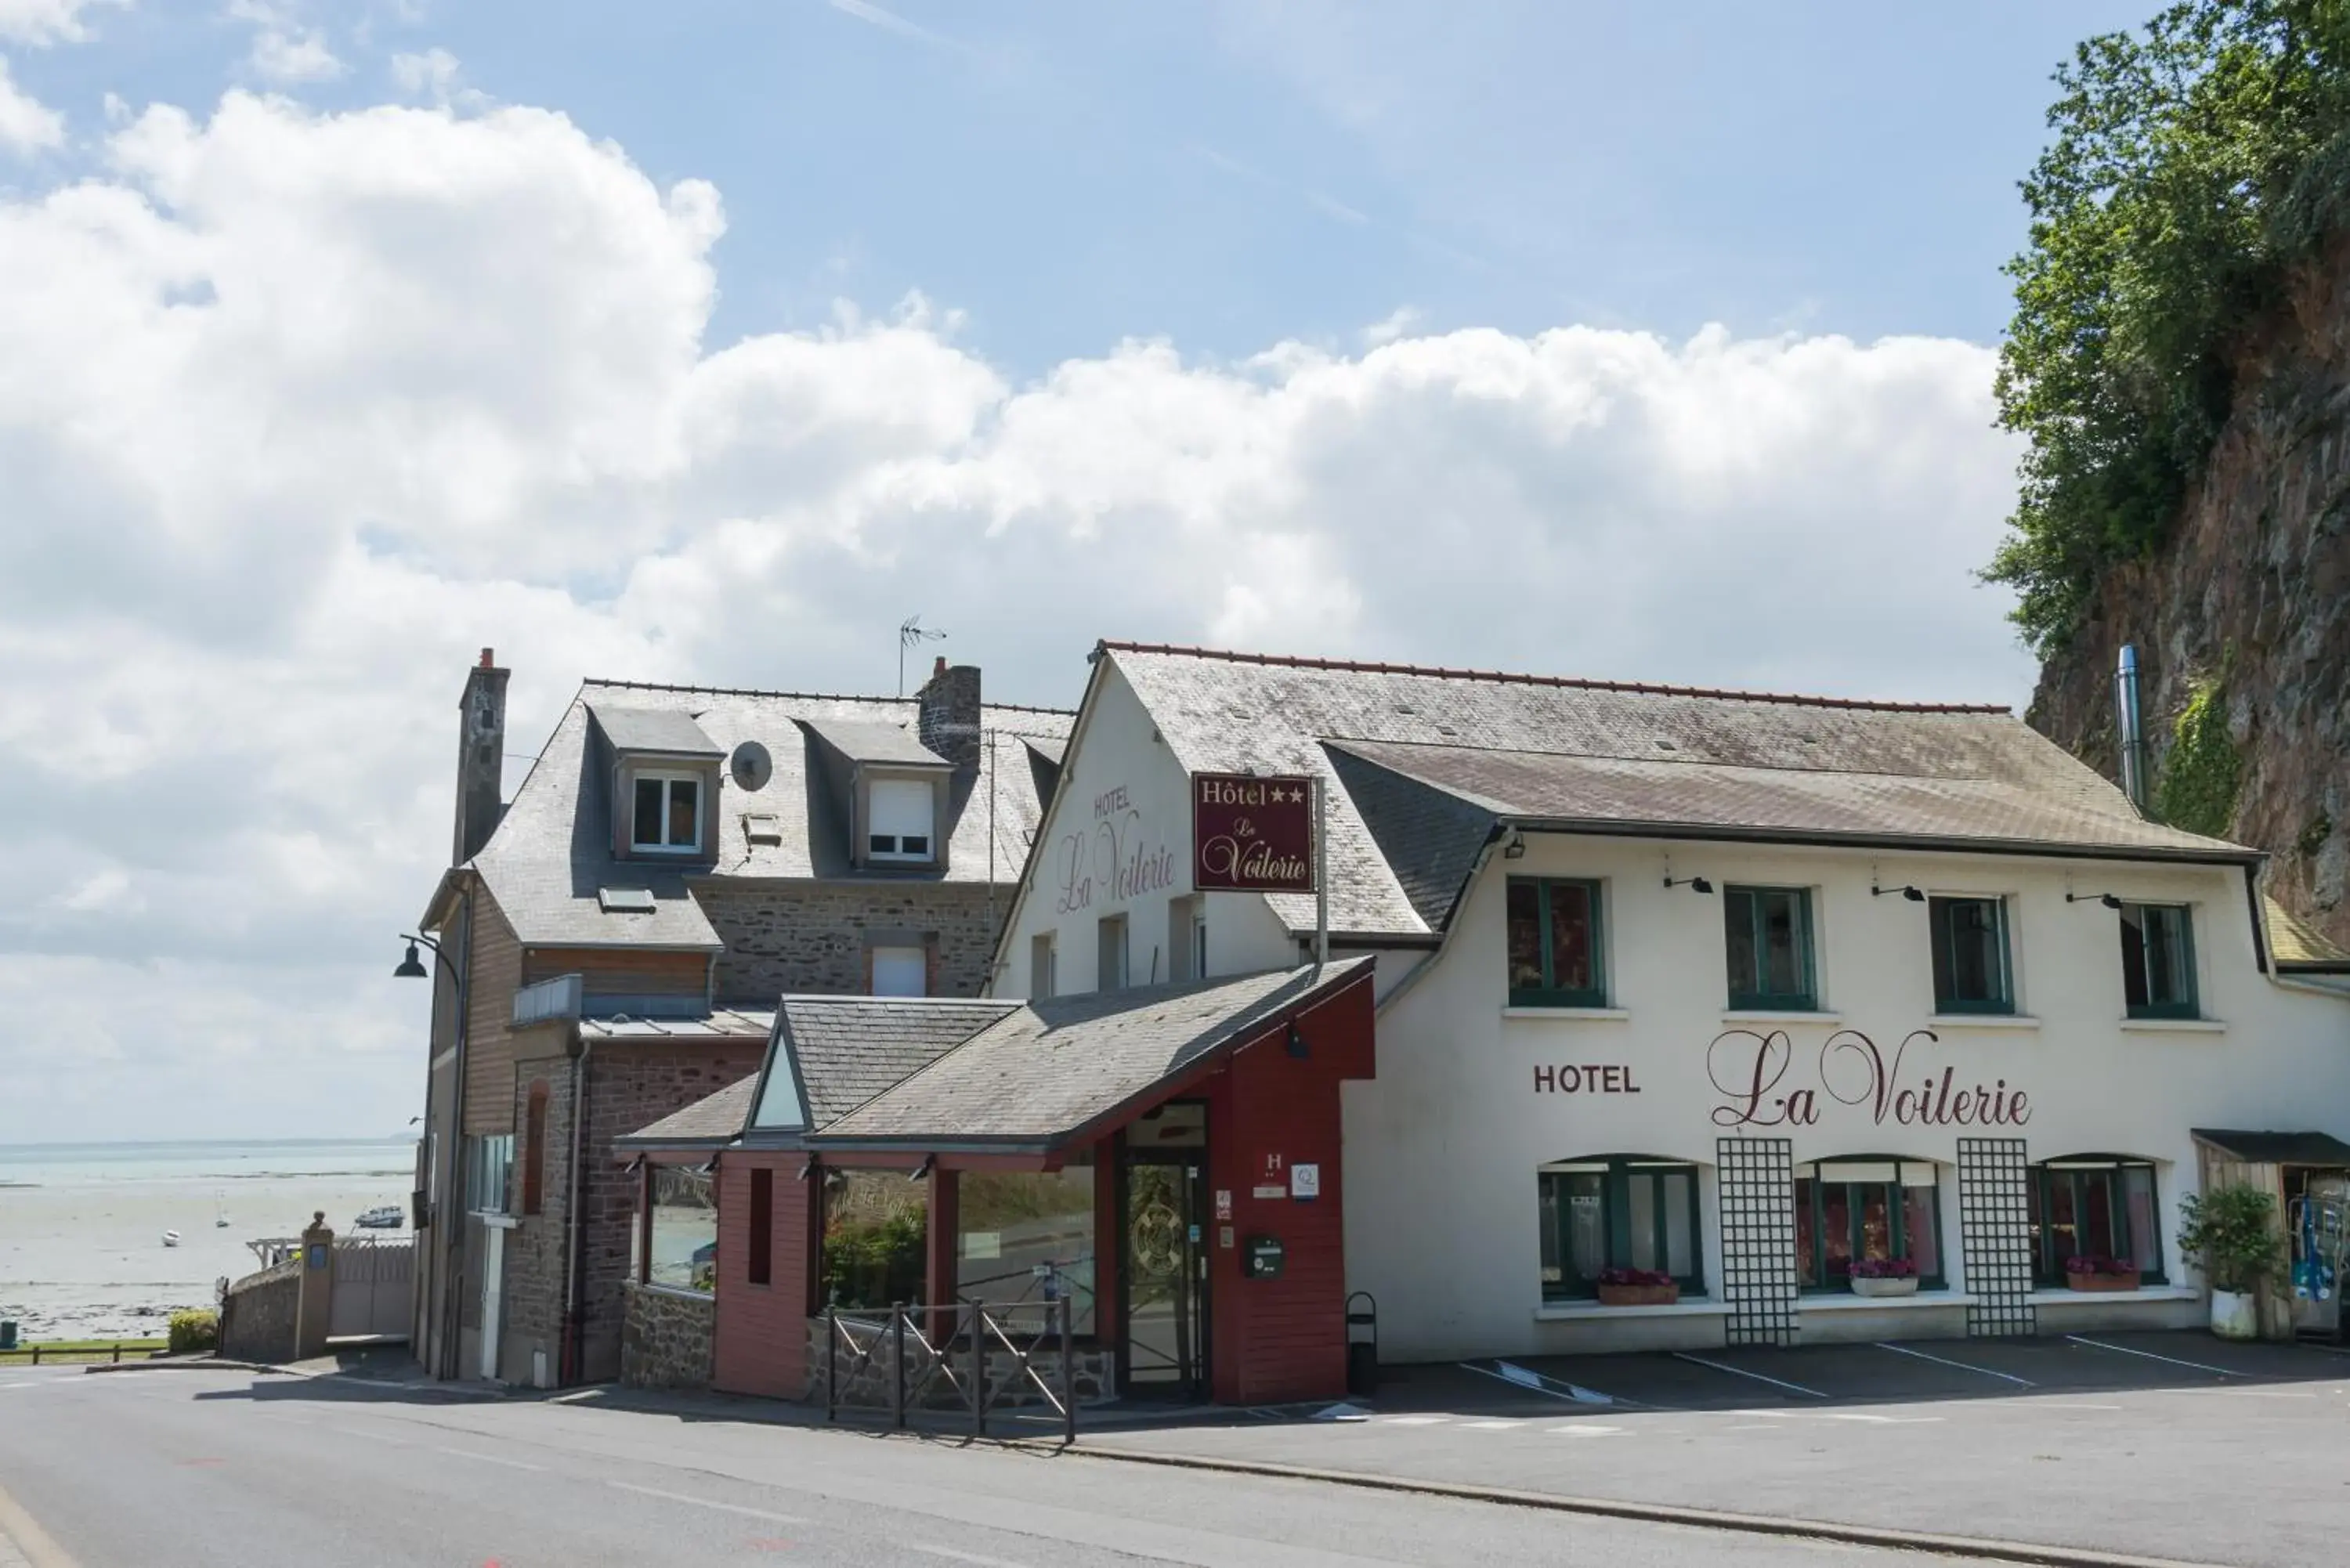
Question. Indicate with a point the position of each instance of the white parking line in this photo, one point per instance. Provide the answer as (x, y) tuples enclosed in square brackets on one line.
[(2150, 1355), (1961, 1366), (707, 1502), (1413, 1421), (1487, 1426), (952, 1555), (1585, 1429), (1858, 1416), (487, 1459), (1741, 1371), (2054, 1404)]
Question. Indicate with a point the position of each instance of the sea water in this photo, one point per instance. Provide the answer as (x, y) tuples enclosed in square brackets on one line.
[(81, 1225)]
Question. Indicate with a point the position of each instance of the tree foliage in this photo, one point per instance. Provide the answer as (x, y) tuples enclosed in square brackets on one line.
[(2193, 165)]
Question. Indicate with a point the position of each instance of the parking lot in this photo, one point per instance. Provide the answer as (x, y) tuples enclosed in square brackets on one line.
[(2163, 1445)]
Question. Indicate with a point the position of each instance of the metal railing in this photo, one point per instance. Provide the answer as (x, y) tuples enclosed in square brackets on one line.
[(948, 1349)]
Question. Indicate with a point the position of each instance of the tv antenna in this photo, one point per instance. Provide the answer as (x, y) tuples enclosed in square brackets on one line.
[(913, 633)]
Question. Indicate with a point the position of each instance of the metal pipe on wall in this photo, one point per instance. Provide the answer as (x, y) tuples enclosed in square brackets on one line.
[(2130, 729)]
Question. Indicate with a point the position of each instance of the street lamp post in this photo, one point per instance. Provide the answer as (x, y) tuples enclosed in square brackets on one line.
[(442, 1193)]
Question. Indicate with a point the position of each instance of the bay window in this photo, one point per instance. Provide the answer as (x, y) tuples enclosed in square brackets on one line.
[(1619, 1211), (1884, 1213)]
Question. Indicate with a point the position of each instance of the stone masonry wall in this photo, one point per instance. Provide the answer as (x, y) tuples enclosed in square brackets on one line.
[(812, 938), (1094, 1369), (257, 1319), (533, 1247), (667, 1338)]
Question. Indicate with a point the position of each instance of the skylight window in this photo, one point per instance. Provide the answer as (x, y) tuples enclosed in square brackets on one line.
[(625, 900)]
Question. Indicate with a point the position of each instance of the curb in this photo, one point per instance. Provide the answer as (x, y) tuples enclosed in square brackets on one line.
[(1972, 1546), (186, 1362)]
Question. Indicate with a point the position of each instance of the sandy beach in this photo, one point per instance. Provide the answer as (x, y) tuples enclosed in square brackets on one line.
[(81, 1226)]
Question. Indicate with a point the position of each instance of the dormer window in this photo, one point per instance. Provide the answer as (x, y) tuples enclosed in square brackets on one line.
[(901, 820), (667, 814)]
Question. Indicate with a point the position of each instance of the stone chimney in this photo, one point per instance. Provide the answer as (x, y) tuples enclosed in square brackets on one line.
[(950, 714), (480, 758)]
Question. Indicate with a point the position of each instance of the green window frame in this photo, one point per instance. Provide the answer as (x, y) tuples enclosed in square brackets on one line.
[(1767, 934), (1870, 1205), (1972, 973), (1618, 1211), (2158, 961), (2081, 1199), (1556, 946)]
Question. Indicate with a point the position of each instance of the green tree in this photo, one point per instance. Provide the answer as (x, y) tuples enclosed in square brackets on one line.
[(2193, 165)]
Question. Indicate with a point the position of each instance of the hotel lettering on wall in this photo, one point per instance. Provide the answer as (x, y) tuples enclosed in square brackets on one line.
[(1757, 1078), (1252, 835)]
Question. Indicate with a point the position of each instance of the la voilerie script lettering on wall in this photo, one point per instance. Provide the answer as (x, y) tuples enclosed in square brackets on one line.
[(1252, 835), (1112, 858), (1749, 1071)]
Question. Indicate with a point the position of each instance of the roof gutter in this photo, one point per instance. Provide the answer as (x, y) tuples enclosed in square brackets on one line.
[(2228, 856)]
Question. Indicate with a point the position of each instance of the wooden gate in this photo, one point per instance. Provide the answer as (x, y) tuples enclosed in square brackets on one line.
[(374, 1287)]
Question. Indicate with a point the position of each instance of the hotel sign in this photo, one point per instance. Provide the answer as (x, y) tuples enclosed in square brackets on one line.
[(1751, 1073), (1252, 835)]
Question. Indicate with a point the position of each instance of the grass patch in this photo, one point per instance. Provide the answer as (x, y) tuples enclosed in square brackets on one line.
[(78, 1350)]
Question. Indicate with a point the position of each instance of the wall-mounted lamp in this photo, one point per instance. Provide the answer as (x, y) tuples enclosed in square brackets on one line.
[(1700, 883), (2110, 900), (1295, 1042), (923, 1170), (1914, 895), (1514, 845)]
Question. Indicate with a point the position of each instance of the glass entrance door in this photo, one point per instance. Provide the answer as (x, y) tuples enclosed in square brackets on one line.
[(1166, 1275)]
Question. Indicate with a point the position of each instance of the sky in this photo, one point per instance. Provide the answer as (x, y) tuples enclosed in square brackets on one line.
[(709, 342)]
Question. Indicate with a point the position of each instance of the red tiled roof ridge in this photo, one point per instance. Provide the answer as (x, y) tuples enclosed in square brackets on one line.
[(1578, 683), (797, 696)]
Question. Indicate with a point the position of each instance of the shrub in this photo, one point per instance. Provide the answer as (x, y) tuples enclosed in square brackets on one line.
[(193, 1331), (2201, 776), (2234, 1229)]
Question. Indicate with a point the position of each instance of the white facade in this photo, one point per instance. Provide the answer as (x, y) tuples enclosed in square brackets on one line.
[(1473, 1096)]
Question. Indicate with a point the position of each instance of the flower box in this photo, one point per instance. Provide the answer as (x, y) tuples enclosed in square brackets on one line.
[(1862, 1286), (2101, 1282), (1639, 1295)]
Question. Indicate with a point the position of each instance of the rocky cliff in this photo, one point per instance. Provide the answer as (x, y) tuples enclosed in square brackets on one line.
[(2243, 620)]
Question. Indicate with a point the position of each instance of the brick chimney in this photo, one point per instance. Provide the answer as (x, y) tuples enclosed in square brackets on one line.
[(480, 758), (950, 714)]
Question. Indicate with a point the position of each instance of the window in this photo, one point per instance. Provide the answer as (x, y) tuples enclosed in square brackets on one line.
[(533, 1169), (877, 1226), (1875, 1210), (1768, 931), (684, 1253), (1554, 957), (1619, 1212), (489, 1173), (900, 820), (2095, 1205), (1027, 1236), (761, 1255), (900, 972), (2158, 961), (1110, 967), (1041, 963), (1971, 971), (668, 814)]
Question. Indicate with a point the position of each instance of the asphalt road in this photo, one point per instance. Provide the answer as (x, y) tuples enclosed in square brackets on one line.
[(170, 1469)]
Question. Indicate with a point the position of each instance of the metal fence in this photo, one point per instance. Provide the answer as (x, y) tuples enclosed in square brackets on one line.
[(963, 1356)]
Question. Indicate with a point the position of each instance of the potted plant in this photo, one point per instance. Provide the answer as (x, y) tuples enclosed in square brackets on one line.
[(1884, 1277), (1636, 1287), (2234, 1228), (2096, 1272)]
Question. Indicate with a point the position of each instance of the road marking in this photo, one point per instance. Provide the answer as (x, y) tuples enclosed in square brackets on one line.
[(1413, 1421), (2249, 1393), (487, 1459), (373, 1436), (1741, 1371), (1585, 1429), (950, 1553), (1839, 1416), (2150, 1355), (1487, 1426), (1961, 1366), (706, 1502), (30, 1539), (2053, 1405)]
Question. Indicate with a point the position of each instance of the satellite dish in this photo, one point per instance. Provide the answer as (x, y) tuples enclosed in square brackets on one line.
[(753, 766)]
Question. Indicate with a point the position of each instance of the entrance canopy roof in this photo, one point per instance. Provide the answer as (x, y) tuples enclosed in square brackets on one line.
[(846, 1073), (2276, 1147)]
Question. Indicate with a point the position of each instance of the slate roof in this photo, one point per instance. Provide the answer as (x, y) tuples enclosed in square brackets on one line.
[(866, 742), (721, 1023), (716, 1120), (849, 1049), (661, 730), (1440, 757), (551, 849), (2297, 944), (1048, 1069)]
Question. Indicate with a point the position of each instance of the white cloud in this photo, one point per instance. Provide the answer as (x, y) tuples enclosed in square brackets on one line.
[(293, 56), (434, 74), (42, 22), (300, 410), (27, 124)]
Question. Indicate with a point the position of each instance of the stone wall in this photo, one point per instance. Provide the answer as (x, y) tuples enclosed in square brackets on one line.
[(667, 1340), (812, 938), (868, 1386), (258, 1316), (535, 1247)]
